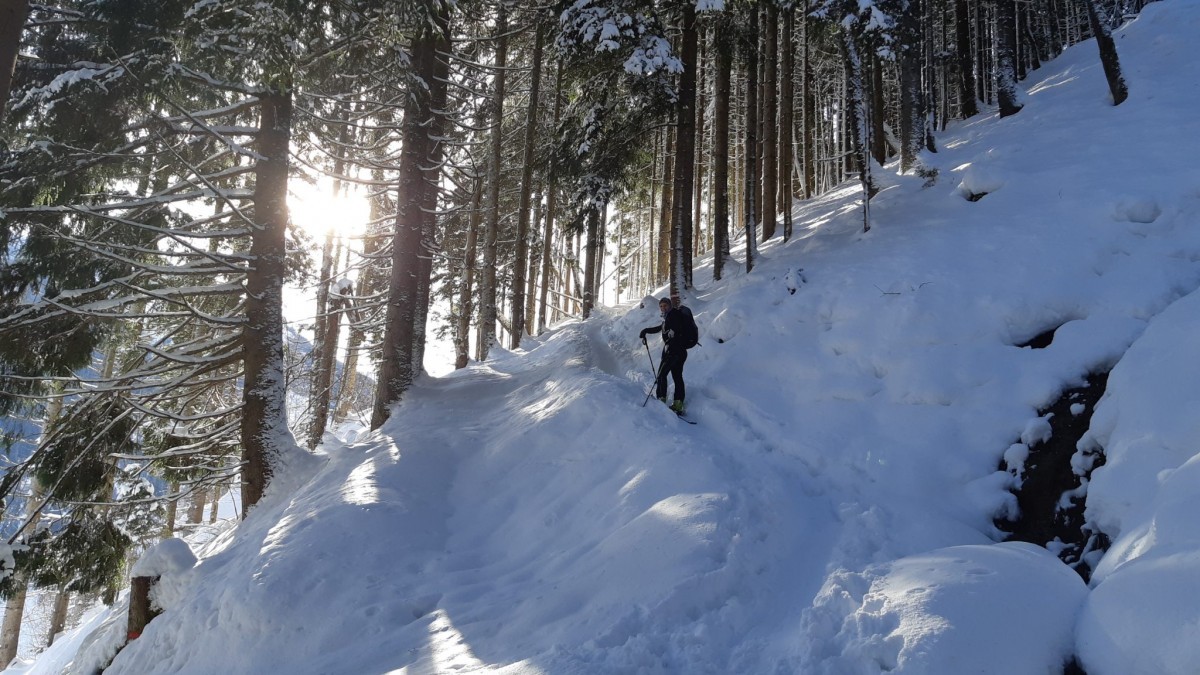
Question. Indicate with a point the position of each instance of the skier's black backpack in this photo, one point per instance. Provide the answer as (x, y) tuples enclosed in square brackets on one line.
[(691, 333)]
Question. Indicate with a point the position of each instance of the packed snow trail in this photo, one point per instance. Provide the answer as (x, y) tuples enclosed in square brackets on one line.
[(543, 521)]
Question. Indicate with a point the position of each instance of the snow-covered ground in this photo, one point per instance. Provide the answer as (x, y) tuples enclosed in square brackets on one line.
[(832, 511)]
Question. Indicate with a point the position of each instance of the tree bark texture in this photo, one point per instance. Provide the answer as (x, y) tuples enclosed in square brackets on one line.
[(589, 265), (1108, 55), (14, 614), (523, 209), (319, 382), (140, 611), (722, 67), (466, 305), (534, 256), (408, 285), (264, 413), (857, 114), (324, 367), (663, 262), (695, 242), (786, 95), (685, 158), (750, 156), (808, 124), (912, 111), (58, 616), (487, 291), (968, 107), (396, 366), (1006, 58), (427, 200), (770, 103), (551, 211), (878, 111), (347, 394)]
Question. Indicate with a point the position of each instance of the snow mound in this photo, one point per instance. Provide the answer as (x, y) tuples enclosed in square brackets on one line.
[(985, 610)]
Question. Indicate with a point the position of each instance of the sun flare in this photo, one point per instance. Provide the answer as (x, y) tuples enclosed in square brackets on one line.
[(316, 210)]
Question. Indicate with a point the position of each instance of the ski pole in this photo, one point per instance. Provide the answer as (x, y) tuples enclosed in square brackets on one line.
[(653, 371)]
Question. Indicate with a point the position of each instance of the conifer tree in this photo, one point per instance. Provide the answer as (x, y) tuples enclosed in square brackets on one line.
[(1108, 54)]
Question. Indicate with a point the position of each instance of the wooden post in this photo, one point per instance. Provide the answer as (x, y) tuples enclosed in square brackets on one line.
[(140, 612)]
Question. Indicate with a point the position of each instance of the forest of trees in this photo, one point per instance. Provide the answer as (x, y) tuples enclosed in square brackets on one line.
[(507, 150)]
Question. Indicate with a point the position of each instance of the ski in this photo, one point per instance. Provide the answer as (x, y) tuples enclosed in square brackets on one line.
[(680, 416)]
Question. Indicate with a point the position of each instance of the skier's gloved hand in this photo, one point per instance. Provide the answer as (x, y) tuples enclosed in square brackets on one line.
[(642, 335)]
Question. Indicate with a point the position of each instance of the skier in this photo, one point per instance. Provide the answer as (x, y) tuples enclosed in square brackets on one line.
[(679, 334)]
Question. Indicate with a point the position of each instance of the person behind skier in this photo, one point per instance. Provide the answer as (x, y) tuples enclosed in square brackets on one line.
[(677, 324)]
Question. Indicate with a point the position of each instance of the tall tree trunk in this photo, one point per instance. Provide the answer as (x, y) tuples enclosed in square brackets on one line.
[(685, 159), (430, 186), (408, 284), (325, 366), (58, 616), (982, 29), (1006, 58), (466, 306), (695, 244), (14, 614), (551, 210), (264, 430), (319, 383), (786, 94), (857, 115), (663, 263), (751, 153), (1108, 54), (523, 209), (14, 610), (1037, 46), (487, 300), (770, 143), (589, 266), (396, 367), (13, 15), (650, 255), (168, 530), (965, 60), (326, 334), (14, 606), (196, 507), (370, 282), (808, 126), (912, 113), (1054, 36), (347, 394), (576, 282), (723, 66), (534, 256), (601, 244), (878, 112)]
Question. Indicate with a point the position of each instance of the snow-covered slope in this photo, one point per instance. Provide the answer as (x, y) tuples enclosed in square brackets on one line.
[(832, 510)]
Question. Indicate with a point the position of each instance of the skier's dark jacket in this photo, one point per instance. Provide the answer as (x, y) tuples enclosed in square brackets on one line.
[(673, 327)]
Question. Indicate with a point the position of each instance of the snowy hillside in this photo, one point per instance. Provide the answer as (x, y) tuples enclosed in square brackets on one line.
[(832, 511)]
